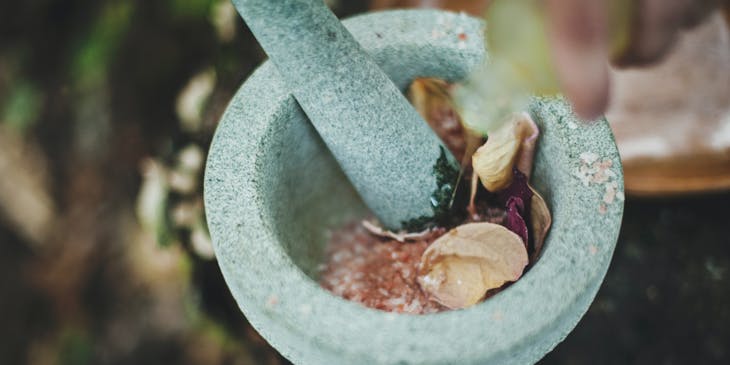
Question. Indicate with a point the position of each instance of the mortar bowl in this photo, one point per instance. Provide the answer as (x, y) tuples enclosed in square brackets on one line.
[(273, 192)]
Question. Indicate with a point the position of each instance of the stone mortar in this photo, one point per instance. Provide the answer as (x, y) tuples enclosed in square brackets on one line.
[(273, 192)]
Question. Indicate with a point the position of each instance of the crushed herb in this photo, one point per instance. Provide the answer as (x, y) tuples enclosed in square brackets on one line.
[(447, 178)]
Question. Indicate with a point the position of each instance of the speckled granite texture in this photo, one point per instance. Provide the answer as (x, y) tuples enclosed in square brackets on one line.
[(272, 191), (388, 152)]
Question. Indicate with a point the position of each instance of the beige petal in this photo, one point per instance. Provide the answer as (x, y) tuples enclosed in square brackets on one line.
[(432, 99), (494, 160), (526, 155), (461, 266), (402, 236), (540, 221)]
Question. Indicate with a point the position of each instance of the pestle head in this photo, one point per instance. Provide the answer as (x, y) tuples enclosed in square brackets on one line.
[(398, 165)]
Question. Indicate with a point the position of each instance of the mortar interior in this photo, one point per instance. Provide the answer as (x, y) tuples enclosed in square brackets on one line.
[(308, 195)]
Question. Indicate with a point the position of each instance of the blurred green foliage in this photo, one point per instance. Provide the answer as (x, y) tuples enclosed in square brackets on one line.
[(190, 8), (101, 41), (22, 107), (76, 348)]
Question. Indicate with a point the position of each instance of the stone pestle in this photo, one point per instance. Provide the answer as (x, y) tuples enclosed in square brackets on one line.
[(398, 165)]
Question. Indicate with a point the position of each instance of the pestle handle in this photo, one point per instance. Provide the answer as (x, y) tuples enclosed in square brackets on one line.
[(398, 165)]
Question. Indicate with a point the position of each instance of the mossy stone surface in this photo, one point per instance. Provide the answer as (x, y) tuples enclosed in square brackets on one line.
[(272, 192)]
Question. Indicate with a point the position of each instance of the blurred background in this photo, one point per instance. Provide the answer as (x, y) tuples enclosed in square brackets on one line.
[(107, 109)]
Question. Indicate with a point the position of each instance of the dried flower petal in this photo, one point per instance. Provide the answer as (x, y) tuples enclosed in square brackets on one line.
[(514, 221), (519, 188), (473, 187), (494, 161), (526, 155), (398, 236), (461, 266), (432, 99), (540, 221)]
